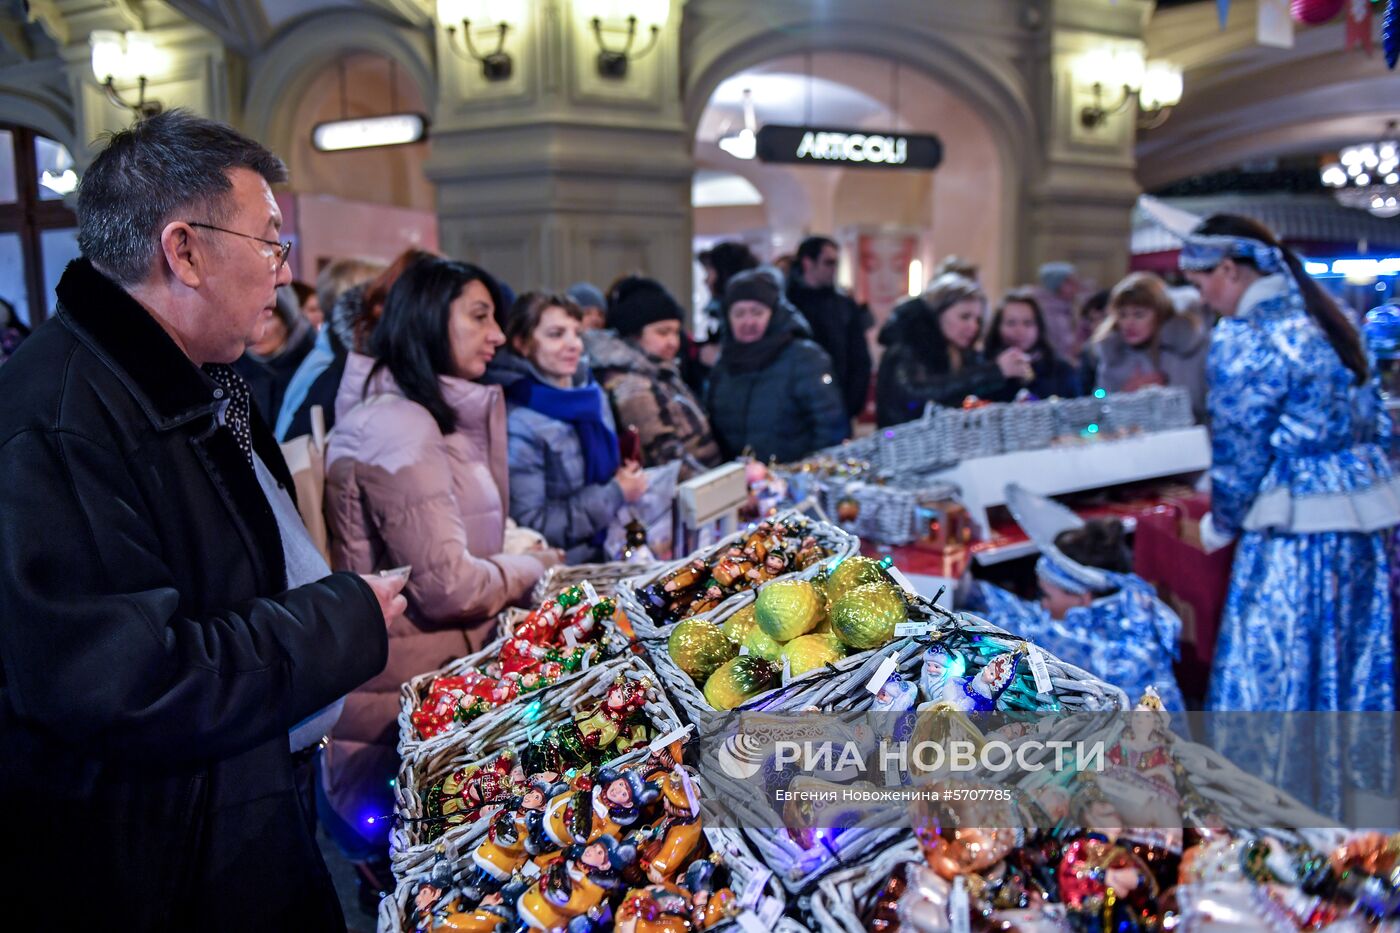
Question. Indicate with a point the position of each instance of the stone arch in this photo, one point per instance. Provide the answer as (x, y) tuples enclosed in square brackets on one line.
[(42, 116), (315, 43), (987, 80)]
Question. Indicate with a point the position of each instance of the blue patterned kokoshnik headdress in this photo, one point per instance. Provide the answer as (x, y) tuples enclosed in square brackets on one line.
[(1202, 253), (1044, 520)]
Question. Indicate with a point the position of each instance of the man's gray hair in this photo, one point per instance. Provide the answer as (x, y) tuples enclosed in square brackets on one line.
[(173, 166)]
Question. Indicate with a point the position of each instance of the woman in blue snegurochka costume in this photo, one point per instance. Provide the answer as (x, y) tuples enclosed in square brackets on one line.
[(1095, 613), (1300, 477)]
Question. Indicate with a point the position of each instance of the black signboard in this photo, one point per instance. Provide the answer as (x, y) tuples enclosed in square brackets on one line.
[(848, 148)]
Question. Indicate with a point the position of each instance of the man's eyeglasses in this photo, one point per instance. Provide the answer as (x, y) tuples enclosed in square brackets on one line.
[(283, 249)]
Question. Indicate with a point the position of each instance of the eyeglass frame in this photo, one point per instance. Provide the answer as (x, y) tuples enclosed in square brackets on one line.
[(284, 248)]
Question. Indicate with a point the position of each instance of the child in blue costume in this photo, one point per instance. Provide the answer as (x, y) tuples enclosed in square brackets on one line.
[(1095, 614), (1300, 477)]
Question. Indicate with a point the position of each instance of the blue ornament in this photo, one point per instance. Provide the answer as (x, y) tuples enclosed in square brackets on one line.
[(1390, 33), (1222, 7)]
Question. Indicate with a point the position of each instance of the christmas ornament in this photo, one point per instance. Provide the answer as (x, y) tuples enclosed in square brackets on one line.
[(738, 680), (1390, 33), (866, 616), (1315, 12), (1222, 9), (851, 573), (811, 652), (699, 647), (788, 608)]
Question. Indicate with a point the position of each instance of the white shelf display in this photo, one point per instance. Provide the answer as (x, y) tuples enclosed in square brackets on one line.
[(1055, 471)]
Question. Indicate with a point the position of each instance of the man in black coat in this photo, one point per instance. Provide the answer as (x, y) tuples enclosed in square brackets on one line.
[(838, 323), (153, 657)]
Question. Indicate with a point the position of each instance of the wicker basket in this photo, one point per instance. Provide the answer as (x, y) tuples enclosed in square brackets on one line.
[(745, 870), (604, 577), (1074, 415), (889, 512), (844, 690), (917, 446), (1027, 426), (501, 729), (836, 542), (415, 690), (1241, 799), (1173, 409), (839, 899), (971, 433)]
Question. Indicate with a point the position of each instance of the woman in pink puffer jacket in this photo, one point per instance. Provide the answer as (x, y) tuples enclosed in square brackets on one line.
[(416, 474)]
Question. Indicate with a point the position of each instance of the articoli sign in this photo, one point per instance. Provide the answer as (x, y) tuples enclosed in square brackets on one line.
[(856, 148)]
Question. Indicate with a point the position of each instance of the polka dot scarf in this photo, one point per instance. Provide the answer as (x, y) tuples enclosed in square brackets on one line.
[(236, 410)]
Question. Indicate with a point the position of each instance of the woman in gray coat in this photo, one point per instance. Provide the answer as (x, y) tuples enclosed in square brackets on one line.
[(772, 393), (566, 478), (1144, 341)]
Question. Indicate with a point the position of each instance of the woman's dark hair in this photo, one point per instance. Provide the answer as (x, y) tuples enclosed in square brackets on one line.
[(528, 310), (1346, 342), (1019, 296), (1100, 543), (411, 339), (728, 259), (924, 332)]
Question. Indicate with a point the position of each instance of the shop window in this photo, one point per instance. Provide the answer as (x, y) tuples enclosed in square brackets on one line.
[(38, 233)]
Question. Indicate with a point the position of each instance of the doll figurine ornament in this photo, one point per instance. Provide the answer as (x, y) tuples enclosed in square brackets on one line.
[(944, 678), (612, 804), (669, 843), (575, 884)]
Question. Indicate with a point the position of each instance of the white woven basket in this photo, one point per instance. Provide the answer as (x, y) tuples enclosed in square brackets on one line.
[(1027, 426), (971, 433), (837, 543), (501, 729), (839, 900), (748, 876), (604, 578)]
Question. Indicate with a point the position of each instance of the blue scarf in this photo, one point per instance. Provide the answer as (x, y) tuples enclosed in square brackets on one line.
[(581, 407)]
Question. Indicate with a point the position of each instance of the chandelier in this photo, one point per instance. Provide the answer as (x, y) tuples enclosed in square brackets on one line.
[(1367, 176)]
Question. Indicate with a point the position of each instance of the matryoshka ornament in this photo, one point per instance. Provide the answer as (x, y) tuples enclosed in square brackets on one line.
[(576, 884)]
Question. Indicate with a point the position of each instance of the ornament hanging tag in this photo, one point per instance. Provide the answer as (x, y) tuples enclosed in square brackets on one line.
[(959, 908), (589, 593), (1039, 670), (882, 673), (754, 889)]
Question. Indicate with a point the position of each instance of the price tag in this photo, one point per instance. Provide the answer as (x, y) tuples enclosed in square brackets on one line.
[(901, 579), (1040, 671), (958, 907), (743, 649), (882, 673), (690, 794), (589, 592), (769, 910), (787, 670), (675, 735), (570, 639), (913, 629), (758, 882), (530, 870)]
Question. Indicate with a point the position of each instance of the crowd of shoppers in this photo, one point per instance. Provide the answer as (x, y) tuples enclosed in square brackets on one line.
[(176, 648)]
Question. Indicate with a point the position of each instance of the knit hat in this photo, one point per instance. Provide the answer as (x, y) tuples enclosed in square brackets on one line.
[(586, 295), (636, 302), (754, 285)]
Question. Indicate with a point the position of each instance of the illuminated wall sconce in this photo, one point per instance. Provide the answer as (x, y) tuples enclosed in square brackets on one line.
[(126, 57), (627, 20), (1156, 86), (496, 65)]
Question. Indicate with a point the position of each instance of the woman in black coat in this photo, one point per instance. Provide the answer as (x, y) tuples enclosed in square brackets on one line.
[(931, 353), (1019, 322), (771, 393)]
